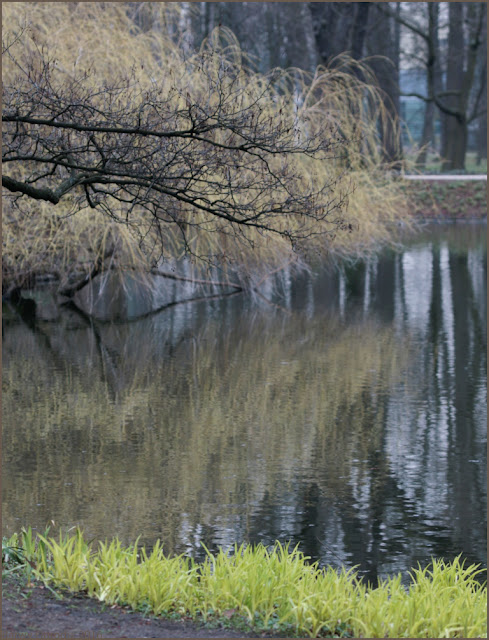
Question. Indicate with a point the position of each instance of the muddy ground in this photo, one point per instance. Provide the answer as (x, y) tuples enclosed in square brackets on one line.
[(32, 611)]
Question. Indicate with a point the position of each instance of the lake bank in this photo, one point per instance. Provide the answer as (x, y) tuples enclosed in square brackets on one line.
[(444, 198), (30, 610), (252, 591)]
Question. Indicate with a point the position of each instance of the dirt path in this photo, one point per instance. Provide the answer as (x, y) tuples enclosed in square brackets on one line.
[(446, 177), (34, 612)]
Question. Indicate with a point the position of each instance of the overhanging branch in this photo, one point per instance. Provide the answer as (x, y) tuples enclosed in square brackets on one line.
[(41, 193), (37, 193)]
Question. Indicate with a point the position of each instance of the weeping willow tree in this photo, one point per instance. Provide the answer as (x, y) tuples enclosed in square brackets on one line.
[(122, 150)]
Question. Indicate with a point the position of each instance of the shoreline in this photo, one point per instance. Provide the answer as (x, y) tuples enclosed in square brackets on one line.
[(447, 200), (68, 589), (430, 199)]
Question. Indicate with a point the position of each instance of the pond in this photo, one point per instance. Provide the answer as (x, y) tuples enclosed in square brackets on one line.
[(352, 423)]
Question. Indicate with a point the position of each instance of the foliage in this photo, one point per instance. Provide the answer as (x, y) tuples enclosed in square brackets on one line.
[(275, 589), (12, 556), (208, 158), (21, 551)]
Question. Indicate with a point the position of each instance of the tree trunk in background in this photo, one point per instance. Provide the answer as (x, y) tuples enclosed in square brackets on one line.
[(333, 28), (339, 27), (466, 39), (301, 36), (273, 34), (397, 152), (482, 107), (359, 29), (461, 71), (384, 42), (433, 82), (455, 124), (210, 12), (482, 134), (482, 140)]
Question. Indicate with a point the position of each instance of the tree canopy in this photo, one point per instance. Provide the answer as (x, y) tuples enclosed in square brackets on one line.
[(174, 152), (228, 151)]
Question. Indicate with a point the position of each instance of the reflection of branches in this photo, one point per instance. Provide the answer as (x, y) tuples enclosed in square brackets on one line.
[(163, 307), (102, 349), (42, 337), (242, 393), (70, 291), (212, 283), (217, 283)]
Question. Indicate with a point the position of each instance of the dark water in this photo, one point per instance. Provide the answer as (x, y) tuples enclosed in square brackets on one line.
[(354, 425)]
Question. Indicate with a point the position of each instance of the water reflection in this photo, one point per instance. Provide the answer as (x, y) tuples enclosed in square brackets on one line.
[(355, 425)]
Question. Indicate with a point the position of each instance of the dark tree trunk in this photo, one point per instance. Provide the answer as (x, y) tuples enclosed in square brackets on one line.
[(482, 108), (337, 28), (456, 144), (359, 29), (433, 76), (482, 140), (466, 37), (455, 126), (394, 143), (383, 43)]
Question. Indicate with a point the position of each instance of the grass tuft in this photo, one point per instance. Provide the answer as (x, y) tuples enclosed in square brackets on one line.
[(264, 589)]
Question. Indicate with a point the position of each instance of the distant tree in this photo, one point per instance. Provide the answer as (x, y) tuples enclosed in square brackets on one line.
[(339, 27), (433, 78), (465, 44), (482, 128), (359, 29), (460, 98), (272, 34), (383, 48)]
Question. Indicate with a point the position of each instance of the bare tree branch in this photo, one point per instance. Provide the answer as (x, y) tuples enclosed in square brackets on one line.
[(226, 155), (412, 26)]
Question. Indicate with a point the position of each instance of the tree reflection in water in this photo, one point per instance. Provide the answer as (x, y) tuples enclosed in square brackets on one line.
[(355, 426)]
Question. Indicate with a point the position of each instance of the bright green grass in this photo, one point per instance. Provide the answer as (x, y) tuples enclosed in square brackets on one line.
[(275, 590), (434, 164)]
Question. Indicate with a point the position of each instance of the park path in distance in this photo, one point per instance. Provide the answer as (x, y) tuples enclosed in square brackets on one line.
[(434, 176)]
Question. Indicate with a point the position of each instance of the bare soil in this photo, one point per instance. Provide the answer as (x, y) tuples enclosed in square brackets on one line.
[(32, 611)]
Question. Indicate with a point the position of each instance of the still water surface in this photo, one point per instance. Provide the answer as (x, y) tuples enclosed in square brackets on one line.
[(354, 425)]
